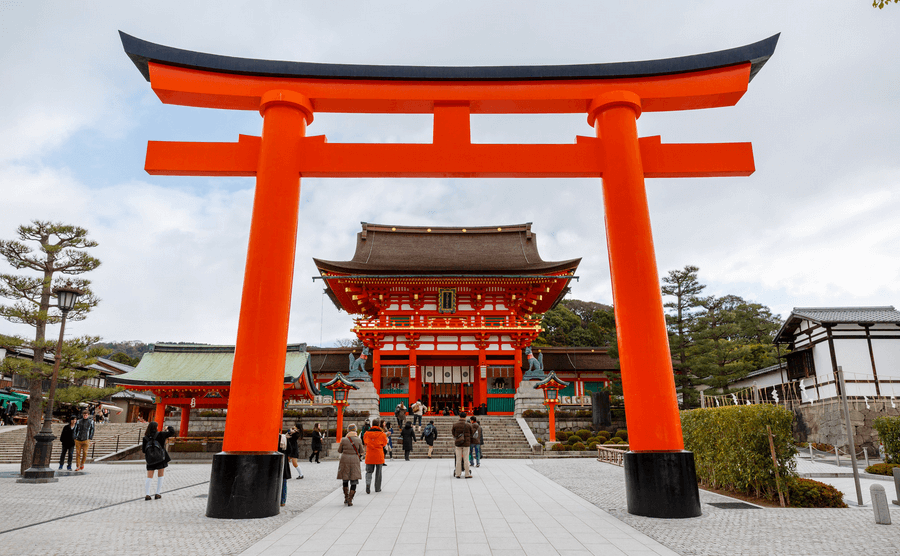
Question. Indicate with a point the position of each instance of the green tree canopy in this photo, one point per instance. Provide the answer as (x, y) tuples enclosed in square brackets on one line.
[(56, 253), (578, 323)]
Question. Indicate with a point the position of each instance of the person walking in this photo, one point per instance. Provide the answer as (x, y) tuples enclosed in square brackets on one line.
[(293, 442), (376, 440), (284, 448), (462, 439), (390, 440), (418, 410), (84, 435), (67, 439), (152, 441), (316, 443), (105, 414), (400, 414), (350, 449), (365, 428), (409, 437), (429, 435), (477, 440)]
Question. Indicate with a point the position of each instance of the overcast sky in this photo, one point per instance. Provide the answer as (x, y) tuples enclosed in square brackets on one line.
[(816, 225)]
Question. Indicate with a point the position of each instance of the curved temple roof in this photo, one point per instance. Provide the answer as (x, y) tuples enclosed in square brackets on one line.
[(383, 249), (142, 52)]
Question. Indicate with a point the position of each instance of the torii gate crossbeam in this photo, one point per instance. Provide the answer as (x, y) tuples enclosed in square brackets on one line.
[(660, 476)]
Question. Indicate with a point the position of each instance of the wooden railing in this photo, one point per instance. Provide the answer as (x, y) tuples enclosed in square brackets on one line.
[(614, 455)]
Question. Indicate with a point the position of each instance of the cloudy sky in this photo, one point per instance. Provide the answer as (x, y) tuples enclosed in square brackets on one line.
[(816, 225)]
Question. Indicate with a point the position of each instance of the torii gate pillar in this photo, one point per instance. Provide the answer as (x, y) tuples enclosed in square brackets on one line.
[(660, 478)]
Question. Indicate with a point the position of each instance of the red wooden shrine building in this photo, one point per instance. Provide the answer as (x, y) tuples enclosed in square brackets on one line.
[(446, 312)]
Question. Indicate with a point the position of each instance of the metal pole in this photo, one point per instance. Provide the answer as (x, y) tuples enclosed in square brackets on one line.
[(866, 455), (810, 451), (850, 439)]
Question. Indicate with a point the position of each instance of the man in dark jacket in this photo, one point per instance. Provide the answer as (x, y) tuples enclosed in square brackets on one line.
[(67, 438), (477, 441), (84, 435), (462, 439)]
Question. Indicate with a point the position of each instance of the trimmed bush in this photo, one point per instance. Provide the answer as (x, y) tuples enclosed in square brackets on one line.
[(610, 442), (731, 447), (579, 446), (592, 445), (562, 436), (823, 447), (882, 469), (534, 413), (616, 440), (622, 433), (621, 442), (807, 493), (584, 434), (573, 439), (604, 434), (558, 447), (888, 429), (583, 413)]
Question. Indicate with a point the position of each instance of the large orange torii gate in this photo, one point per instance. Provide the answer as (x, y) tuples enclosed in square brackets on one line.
[(660, 477)]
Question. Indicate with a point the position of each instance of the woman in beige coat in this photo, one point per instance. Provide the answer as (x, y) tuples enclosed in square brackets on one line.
[(352, 451)]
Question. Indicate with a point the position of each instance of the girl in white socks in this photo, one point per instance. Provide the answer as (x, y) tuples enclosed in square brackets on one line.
[(154, 448)]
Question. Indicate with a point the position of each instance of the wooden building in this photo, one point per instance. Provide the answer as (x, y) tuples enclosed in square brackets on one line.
[(447, 312)]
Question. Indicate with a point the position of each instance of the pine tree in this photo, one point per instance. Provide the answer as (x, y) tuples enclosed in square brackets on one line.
[(684, 286), (60, 255)]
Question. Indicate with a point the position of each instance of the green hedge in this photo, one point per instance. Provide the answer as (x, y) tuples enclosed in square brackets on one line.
[(888, 429), (882, 469), (731, 447), (807, 493)]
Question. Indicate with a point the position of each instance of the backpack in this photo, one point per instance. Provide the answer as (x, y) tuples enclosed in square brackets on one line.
[(429, 429), (154, 453), (476, 435)]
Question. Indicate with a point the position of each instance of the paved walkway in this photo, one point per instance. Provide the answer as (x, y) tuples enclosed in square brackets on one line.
[(506, 509), (546, 507)]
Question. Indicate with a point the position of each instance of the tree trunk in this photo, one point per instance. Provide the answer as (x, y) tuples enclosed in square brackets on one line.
[(34, 422)]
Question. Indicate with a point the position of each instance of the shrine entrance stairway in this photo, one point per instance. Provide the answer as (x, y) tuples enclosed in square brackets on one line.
[(503, 438), (106, 438)]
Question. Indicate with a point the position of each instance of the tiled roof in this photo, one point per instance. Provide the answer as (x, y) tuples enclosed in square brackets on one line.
[(384, 249), (849, 314), (181, 364)]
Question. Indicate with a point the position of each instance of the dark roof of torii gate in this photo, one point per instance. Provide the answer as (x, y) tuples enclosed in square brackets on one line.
[(142, 52), (494, 250)]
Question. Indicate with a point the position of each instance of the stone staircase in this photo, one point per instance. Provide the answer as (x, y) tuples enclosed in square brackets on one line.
[(106, 438), (503, 438)]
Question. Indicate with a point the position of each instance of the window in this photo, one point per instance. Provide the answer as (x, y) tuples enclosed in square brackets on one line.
[(447, 300), (800, 364)]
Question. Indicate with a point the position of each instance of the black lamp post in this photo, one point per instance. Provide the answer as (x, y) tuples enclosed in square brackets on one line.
[(40, 470)]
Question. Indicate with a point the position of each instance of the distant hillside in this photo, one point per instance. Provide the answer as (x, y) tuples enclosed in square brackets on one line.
[(134, 349)]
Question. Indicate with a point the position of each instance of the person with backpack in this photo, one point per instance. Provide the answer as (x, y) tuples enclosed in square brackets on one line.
[(84, 435), (409, 437), (156, 456), (418, 409), (67, 438), (390, 440), (477, 441), (429, 435)]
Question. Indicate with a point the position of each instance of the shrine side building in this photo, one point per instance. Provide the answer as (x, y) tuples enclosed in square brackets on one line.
[(444, 312)]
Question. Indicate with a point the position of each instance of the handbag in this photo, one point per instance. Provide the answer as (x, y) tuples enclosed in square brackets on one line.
[(154, 453)]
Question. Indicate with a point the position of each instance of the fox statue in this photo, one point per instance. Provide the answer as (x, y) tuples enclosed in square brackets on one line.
[(358, 365)]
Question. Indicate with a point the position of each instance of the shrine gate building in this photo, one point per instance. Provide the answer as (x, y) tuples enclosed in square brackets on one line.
[(447, 312)]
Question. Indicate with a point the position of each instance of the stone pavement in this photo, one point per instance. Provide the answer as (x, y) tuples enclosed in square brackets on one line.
[(769, 531), (505, 509), (510, 507)]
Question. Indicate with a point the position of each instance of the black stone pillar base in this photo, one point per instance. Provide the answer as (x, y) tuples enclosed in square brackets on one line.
[(245, 485), (40, 471), (662, 484)]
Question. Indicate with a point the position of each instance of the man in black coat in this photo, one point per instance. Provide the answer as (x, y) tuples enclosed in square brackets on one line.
[(67, 438)]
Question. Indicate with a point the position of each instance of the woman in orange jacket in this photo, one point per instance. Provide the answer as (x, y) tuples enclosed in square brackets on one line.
[(375, 441)]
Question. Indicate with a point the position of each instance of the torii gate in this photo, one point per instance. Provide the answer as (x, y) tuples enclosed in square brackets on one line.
[(246, 477)]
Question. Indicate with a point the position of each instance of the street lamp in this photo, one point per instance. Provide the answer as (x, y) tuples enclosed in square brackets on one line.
[(551, 387), (340, 387), (40, 470)]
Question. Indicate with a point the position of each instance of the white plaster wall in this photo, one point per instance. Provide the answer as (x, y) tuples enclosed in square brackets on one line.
[(853, 357)]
